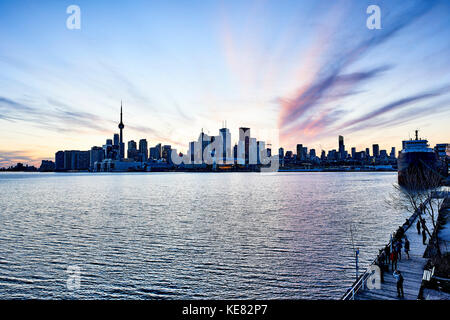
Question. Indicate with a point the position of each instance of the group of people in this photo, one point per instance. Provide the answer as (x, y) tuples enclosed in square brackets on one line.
[(392, 253), (422, 225)]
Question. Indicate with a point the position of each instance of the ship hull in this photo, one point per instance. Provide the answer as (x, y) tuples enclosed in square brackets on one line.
[(419, 164)]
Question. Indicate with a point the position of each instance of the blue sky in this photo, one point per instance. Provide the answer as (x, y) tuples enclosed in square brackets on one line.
[(305, 70)]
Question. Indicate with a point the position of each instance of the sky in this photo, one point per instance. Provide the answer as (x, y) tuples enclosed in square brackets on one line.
[(293, 71)]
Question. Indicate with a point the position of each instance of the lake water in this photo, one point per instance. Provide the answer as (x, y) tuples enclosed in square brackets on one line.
[(189, 235)]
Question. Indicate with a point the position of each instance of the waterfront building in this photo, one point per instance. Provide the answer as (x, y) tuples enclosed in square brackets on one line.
[(299, 152), (304, 153), (155, 152), (47, 166), (166, 152), (367, 152), (281, 153), (76, 160), (59, 161), (353, 152), (116, 139), (225, 137), (332, 155), (323, 157), (342, 154), (143, 150), (260, 148), (392, 154), (132, 152), (244, 136), (312, 153), (360, 156), (376, 151), (191, 151), (383, 154), (253, 151), (96, 154)]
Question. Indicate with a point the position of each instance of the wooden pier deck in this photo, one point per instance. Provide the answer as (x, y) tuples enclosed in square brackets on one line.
[(412, 271)]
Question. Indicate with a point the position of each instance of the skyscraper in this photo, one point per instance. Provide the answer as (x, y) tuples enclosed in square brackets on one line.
[(132, 152), (376, 150), (59, 161), (166, 152), (341, 148), (300, 151), (121, 126), (96, 154), (143, 149), (225, 135), (244, 136), (392, 155), (116, 139)]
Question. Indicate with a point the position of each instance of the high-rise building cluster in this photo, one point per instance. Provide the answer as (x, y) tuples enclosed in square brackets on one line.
[(217, 153)]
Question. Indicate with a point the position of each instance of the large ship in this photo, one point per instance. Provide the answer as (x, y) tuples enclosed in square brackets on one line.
[(416, 161)]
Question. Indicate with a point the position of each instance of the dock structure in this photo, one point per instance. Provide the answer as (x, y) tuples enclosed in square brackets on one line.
[(411, 269)]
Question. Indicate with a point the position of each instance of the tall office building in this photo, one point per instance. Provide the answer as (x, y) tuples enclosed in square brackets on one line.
[(281, 153), (121, 143), (244, 136), (376, 150), (132, 152), (353, 152), (143, 150), (225, 137), (76, 160), (96, 154), (260, 147), (158, 151), (367, 152), (59, 161), (116, 139), (312, 153), (342, 154), (166, 152), (392, 154), (154, 154), (300, 152)]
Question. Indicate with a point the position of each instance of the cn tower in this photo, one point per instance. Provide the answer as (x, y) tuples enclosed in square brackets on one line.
[(121, 126)]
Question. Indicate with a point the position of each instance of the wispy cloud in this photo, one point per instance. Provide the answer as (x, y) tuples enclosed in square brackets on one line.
[(307, 112), (393, 106), (58, 117)]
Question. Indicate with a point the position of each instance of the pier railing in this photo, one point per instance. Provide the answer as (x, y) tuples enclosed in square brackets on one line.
[(360, 283)]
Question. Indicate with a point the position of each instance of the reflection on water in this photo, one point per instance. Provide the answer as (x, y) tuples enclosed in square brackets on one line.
[(189, 235)]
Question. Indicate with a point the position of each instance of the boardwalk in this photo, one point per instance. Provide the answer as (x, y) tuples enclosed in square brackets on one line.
[(412, 271)]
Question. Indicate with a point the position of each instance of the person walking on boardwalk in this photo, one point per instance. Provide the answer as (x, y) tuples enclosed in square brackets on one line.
[(398, 248), (424, 237), (387, 253), (394, 259), (407, 247), (398, 276), (418, 226)]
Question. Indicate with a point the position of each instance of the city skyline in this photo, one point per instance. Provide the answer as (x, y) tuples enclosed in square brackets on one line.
[(311, 70), (213, 152)]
